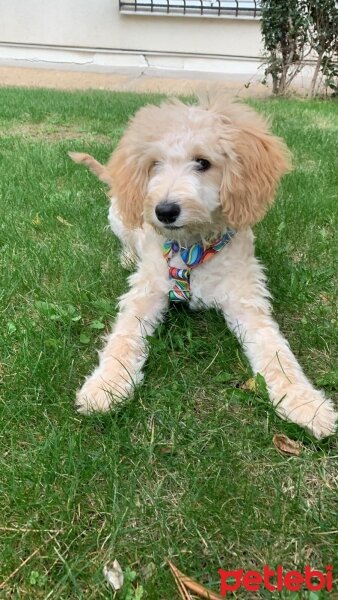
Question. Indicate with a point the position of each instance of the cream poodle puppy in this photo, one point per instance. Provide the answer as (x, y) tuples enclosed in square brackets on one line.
[(187, 182)]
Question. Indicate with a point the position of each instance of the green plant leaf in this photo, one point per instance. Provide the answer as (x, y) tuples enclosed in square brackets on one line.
[(139, 593), (11, 327), (329, 380), (224, 377), (34, 577), (97, 325)]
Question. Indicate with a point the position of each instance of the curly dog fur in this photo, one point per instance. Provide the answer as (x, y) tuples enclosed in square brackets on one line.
[(219, 166)]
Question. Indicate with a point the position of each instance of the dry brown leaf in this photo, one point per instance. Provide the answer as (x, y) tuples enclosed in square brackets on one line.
[(113, 575), (148, 571), (64, 222), (37, 220), (186, 582), (166, 449), (285, 445), (250, 385)]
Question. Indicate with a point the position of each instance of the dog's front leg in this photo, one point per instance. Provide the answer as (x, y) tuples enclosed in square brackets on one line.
[(248, 314), (122, 359)]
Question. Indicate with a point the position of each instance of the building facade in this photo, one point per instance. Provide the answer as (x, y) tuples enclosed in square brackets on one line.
[(196, 35)]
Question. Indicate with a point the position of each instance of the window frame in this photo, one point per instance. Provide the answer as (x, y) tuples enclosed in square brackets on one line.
[(237, 9)]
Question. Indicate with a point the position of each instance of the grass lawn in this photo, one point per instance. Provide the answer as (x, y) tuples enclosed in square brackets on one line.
[(187, 469)]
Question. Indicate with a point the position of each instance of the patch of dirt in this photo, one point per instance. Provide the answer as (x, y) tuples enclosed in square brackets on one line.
[(317, 120), (307, 165), (55, 133), (60, 79), (134, 80), (320, 480), (324, 122)]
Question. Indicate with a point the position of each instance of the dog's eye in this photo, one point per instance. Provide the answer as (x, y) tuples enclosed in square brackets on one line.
[(156, 163), (202, 164)]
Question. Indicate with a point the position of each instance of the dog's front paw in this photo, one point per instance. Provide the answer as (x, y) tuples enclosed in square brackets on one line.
[(100, 394), (309, 408)]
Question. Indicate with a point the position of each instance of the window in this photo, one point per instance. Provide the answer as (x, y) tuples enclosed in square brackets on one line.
[(216, 8)]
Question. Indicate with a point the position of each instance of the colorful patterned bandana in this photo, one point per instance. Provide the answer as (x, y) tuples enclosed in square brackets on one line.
[(194, 255)]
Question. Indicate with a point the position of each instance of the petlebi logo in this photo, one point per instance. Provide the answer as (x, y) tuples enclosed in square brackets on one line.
[(276, 580)]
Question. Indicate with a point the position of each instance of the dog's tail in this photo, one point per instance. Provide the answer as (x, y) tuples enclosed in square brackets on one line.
[(93, 165)]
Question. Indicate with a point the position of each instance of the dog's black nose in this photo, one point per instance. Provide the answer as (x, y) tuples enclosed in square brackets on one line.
[(167, 212)]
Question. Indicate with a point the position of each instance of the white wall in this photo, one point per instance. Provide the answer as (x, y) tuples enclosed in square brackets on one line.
[(66, 30)]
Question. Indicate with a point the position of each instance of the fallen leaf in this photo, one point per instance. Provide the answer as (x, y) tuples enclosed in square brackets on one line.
[(64, 222), (148, 571), (113, 575), (285, 445), (37, 220), (166, 449), (250, 385)]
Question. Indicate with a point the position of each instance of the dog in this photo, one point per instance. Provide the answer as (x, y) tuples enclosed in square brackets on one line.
[(187, 183)]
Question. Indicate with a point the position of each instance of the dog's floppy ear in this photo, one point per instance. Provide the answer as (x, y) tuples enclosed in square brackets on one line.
[(250, 178), (129, 171), (93, 165)]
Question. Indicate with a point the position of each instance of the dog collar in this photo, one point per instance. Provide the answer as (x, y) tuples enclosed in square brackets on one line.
[(192, 256)]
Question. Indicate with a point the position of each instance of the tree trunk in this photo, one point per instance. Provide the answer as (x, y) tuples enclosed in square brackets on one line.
[(274, 84), (315, 75)]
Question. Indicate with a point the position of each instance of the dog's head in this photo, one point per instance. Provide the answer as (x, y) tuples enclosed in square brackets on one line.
[(196, 169)]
